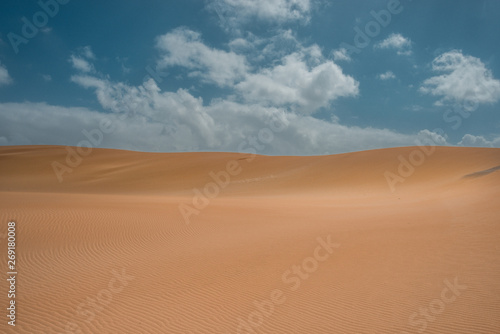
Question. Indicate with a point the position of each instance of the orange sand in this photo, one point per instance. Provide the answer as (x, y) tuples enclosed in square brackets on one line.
[(109, 251)]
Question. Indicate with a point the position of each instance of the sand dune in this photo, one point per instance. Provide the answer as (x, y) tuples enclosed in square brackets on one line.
[(385, 241)]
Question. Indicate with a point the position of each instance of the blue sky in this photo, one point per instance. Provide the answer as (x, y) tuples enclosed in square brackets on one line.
[(193, 75)]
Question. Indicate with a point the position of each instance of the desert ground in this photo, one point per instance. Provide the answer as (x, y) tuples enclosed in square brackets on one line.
[(392, 241)]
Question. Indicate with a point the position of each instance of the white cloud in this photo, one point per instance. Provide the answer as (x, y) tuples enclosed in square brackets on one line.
[(281, 44), (81, 64), (465, 79), (148, 103), (237, 12), (184, 47), (5, 78), (262, 51), (181, 123), (47, 77), (431, 136), (386, 76), (478, 141), (303, 80), (80, 60), (224, 125), (414, 107), (241, 45), (341, 55), (398, 42)]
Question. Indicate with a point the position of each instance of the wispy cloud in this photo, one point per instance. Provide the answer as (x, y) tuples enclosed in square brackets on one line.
[(81, 64), (87, 52), (386, 76), (81, 60)]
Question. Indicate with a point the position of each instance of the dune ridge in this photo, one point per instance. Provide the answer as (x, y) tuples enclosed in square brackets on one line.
[(108, 249)]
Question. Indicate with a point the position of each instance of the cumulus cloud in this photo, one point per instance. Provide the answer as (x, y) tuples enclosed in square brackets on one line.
[(179, 121), (284, 93), (465, 79), (5, 78), (149, 104), (184, 47), (478, 141), (428, 136), (397, 42), (302, 80), (386, 76), (232, 127)]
